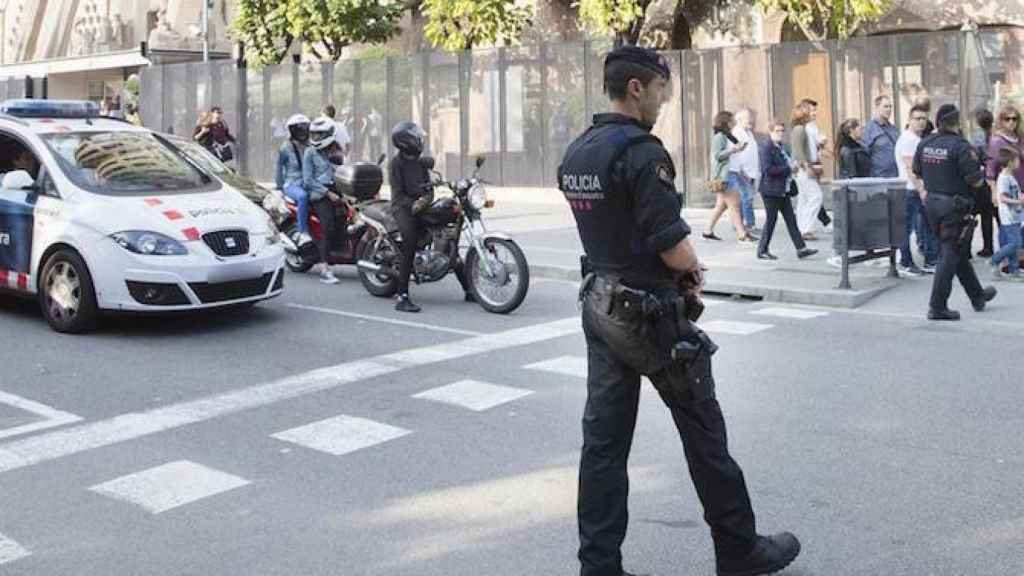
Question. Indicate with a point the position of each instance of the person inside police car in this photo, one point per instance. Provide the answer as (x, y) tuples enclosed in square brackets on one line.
[(949, 166), (642, 278)]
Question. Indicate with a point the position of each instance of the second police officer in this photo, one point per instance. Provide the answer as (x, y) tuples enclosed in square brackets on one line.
[(640, 295), (949, 166)]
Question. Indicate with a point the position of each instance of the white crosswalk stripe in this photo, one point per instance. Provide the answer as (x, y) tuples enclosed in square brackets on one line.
[(169, 486), (797, 313), (341, 434), (11, 550), (565, 365), (475, 395), (735, 328)]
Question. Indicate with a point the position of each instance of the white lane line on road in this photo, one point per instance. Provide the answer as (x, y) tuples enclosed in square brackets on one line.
[(565, 365), (383, 319), (169, 486), (53, 445), (475, 395), (53, 417), (735, 328), (11, 550), (796, 313), (341, 434)]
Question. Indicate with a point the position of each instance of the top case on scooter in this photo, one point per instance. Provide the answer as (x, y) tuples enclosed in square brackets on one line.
[(361, 180)]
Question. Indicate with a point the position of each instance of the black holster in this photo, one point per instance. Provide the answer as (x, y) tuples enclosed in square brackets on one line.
[(673, 320)]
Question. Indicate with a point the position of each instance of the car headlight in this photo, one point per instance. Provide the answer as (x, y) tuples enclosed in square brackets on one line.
[(477, 197), (149, 243), (273, 234)]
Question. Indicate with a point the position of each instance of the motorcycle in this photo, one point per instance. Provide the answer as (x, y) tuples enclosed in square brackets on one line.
[(358, 184), (496, 272)]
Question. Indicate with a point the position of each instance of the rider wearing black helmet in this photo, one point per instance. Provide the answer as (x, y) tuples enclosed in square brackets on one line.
[(409, 180)]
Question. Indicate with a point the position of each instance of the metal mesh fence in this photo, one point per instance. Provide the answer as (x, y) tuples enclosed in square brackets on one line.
[(519, 107)]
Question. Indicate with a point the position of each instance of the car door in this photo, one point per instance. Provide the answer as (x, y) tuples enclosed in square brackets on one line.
[(17, 233)]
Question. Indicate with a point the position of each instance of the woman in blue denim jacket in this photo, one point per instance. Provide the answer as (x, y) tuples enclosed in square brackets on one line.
[(288, 172), (318, 181)]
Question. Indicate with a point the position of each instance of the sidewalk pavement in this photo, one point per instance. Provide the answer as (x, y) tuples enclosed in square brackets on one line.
[(542, 223)]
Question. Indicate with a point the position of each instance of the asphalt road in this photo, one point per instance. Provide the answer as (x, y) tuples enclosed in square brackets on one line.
[(325, 434)]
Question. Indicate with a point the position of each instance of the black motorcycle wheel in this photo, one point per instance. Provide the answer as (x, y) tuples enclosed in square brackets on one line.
[(506, 291), (294, 260), (380, 285)]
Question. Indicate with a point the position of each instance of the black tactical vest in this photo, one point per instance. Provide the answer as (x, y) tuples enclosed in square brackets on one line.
[(590, 178)]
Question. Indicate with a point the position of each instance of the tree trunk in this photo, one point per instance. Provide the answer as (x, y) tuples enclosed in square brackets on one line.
[(682, 38)]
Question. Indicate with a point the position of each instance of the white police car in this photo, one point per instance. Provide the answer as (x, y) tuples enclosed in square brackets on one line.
[(97, 214)]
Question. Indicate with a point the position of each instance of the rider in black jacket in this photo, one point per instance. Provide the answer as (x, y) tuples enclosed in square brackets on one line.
[(409, 180)]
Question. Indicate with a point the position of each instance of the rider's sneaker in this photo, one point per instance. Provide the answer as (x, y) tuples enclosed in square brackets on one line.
[(404, 304), (304, 239), (327, 275)]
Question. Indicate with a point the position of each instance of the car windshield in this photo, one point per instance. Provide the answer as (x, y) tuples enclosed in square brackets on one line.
[(196, 153), (125, 163)]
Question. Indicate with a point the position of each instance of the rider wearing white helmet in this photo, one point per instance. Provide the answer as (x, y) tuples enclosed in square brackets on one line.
[(318, 180), (288, 171)]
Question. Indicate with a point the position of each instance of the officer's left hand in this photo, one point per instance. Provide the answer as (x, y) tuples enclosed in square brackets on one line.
[(692, 282)]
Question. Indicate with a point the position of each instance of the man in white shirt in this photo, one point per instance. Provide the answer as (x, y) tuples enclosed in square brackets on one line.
[(747, 164), (906, 148), (341, 135)]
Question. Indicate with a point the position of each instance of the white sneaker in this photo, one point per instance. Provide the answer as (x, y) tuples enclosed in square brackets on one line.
[(997, 274), (835, 261), (327, 276), (304, 239)]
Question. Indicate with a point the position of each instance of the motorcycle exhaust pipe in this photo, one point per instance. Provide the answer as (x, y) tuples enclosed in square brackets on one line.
[(371, 268)]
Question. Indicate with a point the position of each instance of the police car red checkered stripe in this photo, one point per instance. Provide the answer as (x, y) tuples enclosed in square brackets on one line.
[(13, 280)]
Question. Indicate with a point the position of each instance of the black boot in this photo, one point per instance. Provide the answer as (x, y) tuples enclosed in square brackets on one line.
[(986, 296), (946, 314), (404, 304), (770, 554)]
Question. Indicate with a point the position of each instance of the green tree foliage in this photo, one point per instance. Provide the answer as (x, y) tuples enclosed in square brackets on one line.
[(325, 27), (822, 19), (456, 25), (263, 26), (626, 19)]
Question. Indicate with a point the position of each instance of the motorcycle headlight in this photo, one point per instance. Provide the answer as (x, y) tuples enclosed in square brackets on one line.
[(273, 235), (477, 197), (148, 243)]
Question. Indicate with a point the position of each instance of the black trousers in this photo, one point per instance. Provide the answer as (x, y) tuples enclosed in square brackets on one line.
[(987, 212), (954, 258), (409, 226), (618, 353), (773, 206), (324, 210)]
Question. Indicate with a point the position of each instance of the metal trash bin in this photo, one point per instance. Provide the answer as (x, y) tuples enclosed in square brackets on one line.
[(870, 214)]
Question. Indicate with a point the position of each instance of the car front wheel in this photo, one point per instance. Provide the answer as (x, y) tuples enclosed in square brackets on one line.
[(66, 294)]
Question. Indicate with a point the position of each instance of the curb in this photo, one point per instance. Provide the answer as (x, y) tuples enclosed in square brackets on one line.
[(834, 298)]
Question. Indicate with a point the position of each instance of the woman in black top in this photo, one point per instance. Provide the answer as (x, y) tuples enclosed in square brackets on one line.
[(854, 160), (777, 186)]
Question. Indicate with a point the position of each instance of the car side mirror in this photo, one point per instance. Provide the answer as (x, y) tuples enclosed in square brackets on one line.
[(19, 180), (479, 162)]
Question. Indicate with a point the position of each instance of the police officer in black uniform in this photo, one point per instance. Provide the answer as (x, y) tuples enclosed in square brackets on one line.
[(640, 295), (949, 166)]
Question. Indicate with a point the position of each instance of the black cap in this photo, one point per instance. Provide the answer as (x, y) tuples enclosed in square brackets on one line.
[(946, 112), (642, 57)]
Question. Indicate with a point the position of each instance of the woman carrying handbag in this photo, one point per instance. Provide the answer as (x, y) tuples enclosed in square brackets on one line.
[(777, 187), (724, 183)]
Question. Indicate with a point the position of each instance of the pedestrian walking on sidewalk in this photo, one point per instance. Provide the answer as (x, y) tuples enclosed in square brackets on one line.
[(777, 187), (949, 167), (1008, 190), (745, 167), (725, 183), (985, 203), (619, 180), (810, 198)]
